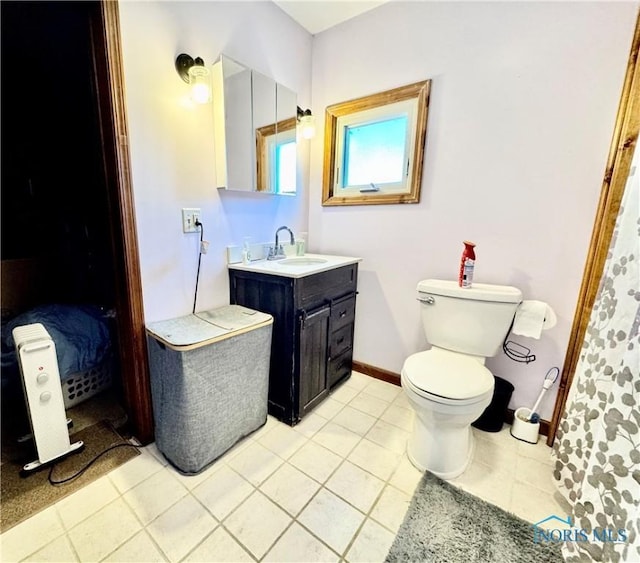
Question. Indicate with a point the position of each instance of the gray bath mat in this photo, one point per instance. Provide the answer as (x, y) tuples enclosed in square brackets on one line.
[(445, 524)]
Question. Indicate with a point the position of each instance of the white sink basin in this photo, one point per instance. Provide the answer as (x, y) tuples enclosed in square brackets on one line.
[(296, 266), (302, 261)]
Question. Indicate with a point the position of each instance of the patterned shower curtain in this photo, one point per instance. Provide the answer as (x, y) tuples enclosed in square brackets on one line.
[(597, 447)]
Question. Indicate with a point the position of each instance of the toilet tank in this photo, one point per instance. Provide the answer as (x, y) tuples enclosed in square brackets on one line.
[(473, 320)]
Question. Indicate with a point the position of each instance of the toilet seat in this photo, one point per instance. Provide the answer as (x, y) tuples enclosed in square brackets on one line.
[(447, 377)]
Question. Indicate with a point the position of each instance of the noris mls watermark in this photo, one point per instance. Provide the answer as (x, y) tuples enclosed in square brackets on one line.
[(557, 529)]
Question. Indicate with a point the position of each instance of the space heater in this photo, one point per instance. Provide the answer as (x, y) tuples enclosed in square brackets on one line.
[(36, 353)]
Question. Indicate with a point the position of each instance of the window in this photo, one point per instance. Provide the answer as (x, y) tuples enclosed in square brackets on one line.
[(374, 147), (276, 157)]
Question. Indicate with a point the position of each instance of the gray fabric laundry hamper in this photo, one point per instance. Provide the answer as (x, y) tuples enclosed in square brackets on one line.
[(209, 382)]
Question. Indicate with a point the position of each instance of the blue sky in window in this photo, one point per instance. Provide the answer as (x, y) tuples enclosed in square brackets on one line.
[(286, 167), (375, 152)]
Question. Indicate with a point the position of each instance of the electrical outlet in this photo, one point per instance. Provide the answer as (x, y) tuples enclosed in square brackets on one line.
[(189, 217)]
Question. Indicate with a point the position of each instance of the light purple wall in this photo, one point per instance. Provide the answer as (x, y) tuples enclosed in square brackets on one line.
[(523, 103), (172, 142)]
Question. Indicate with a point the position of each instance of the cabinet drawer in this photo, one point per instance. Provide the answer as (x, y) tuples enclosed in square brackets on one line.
[(341, 340), (326, 286), (340, 368), (343, 312)]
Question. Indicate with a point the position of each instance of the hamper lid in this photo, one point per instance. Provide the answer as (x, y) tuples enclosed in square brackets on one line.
[(233, 317), (192, 331)]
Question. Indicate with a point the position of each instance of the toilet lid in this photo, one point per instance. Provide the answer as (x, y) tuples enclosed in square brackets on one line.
[(447, 374)]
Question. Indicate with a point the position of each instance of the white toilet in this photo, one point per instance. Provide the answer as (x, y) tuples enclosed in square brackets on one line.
[(448, 386)]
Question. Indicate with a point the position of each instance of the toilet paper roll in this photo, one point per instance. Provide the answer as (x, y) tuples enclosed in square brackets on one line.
[(532, 317)]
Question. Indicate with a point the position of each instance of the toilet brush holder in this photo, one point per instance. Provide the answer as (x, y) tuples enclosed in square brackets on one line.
[(523, 429)]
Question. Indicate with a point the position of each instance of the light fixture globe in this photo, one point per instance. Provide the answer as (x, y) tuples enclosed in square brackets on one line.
[(306, 123), (194, 73)]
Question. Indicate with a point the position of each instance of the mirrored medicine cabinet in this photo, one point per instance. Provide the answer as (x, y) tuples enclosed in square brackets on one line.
[(255, 130)]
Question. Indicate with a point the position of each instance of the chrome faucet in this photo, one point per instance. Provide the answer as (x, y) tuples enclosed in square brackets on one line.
[(277, 252)]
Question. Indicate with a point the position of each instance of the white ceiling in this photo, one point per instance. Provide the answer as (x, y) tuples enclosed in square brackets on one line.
[(317, 15)]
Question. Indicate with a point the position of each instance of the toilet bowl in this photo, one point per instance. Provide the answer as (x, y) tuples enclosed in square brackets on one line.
[(448, 386), (447, 391)]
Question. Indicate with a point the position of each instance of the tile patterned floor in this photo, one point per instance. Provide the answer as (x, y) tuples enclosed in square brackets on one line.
[(334, 488)]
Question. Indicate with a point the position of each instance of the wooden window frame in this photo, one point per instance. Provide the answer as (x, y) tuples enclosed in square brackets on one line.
[(330, 197)]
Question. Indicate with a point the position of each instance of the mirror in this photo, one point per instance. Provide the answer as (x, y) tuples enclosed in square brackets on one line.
[(276, 147), (255, 130)]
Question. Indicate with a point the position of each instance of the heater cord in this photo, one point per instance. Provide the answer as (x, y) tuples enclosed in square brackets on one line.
[(83, 469), (195, 294)]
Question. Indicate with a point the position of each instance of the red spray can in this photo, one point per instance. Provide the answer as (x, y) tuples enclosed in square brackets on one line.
[(467, 263)]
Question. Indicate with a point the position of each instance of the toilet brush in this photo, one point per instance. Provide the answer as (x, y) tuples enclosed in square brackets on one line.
[(549, 380)]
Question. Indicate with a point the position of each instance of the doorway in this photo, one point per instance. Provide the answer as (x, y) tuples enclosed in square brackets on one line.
[(67, 205)]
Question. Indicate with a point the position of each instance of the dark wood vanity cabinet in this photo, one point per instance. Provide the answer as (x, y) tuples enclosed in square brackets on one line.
[(312, 343)]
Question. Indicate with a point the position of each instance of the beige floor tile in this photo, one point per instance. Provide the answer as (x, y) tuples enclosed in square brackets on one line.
[(399, 416), (152, 497), (192, 481), (283, 440), (355, 485), (502, 438), (355, 420), (344, 393), (391, 508), (236, 449), (103, 532), (155, 452), (372, 543), (269, 425), (369, 404), (255, 463), (178, 530), (219, 547), (406, 476), (489, 483), (331, 519), (139, 549), (290, 488), (536, 473), (534, 507), (493, 453), (310, 424), (31, 535), (316, 461), (135, 471), (297, 545), (375, 459), (257, 523), (388, 436), (539, 451), (86, 501), (58, 550), (402, 401), (358, 380), (223, 492), (383, 390), (336, 438), (366, 420), (328, 408)]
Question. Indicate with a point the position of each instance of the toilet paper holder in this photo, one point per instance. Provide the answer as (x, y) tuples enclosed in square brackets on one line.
[(518, 352)]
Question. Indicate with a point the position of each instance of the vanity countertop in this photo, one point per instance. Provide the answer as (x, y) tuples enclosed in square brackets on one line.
[(296, 266)]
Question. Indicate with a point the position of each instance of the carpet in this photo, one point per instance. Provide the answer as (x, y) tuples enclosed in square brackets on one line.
[(22, 497), (445, 524)]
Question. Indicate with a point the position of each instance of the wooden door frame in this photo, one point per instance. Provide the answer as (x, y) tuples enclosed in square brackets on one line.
[(109, 87), (623, 144)]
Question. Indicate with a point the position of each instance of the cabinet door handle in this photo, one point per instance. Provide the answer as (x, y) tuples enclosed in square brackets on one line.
[(341, 340), (343, 314)]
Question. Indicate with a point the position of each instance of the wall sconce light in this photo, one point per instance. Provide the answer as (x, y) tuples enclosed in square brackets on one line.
[(194, 73), (306, 123)]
